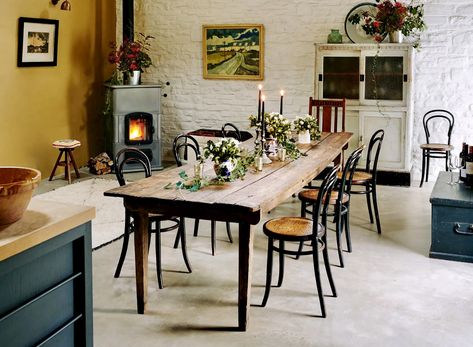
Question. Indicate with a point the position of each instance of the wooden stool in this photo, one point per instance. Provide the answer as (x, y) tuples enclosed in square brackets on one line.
[(66, 147)]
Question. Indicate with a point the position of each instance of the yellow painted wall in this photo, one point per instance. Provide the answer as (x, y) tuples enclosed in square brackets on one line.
[(41, 104)]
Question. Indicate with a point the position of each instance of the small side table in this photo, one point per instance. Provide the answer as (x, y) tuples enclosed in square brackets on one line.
[(66, 147)]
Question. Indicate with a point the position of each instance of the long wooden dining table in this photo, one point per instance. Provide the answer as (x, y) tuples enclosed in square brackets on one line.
[(243, 202)]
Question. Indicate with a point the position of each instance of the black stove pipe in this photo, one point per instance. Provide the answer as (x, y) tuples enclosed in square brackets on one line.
[(128, 20)]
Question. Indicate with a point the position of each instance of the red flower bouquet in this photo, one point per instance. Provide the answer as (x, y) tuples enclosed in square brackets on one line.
[(131, 55)]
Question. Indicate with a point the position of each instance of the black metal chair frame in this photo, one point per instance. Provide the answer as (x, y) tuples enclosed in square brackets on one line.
[(370, 185), (235, 133), (428, 154), (341, 210), (318, 238), (137, 156), (185, 142)]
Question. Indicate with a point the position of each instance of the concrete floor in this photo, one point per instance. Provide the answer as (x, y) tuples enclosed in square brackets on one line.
[(390, 292)]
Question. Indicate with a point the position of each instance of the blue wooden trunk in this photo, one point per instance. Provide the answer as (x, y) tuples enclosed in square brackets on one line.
[(46, 293), (452, 220)]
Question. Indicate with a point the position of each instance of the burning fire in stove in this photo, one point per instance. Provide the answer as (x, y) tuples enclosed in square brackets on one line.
[(137, 130)]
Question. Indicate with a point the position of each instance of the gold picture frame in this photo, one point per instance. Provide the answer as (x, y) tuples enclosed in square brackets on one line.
[(233, 51)]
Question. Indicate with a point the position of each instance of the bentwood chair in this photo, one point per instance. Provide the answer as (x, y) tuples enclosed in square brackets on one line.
[(233, 132), (436, 150), (367, 178), (181, 145), (133, 155), (299, 229), (339, 202)]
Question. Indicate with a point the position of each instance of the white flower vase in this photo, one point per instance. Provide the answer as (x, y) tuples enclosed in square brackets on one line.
[(303, 137), (134, 78)]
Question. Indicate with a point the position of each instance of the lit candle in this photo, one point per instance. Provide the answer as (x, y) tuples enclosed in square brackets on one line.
[(280, 104), (260, 87), (263, 123)]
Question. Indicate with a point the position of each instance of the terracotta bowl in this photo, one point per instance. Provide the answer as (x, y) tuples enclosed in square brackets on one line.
[(16, 188)]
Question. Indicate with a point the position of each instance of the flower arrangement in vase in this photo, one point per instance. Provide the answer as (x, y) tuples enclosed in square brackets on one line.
[(307, 128), (392, 17), (227, 158), (131, 57)]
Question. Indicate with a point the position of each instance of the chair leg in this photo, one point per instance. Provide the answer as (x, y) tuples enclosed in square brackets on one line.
[(427, 168), (178, 236), (346, 221), (196, 227), (423, 169), (447, 155), (229, 232), (212, 235), (328, 269), (269, 271), (315, 256), (67, 166), (157, 246), (299, 250), (182, 231), (74, 164), (56, 165), (338, 233), (281, 263), (126, 238), (375, 203), (368, 201)]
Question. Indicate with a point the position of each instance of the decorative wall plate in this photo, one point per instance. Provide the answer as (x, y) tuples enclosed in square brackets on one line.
[(355, 32)]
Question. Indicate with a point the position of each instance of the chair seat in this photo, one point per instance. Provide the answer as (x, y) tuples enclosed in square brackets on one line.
[(293, 227), (437, 147), (310, 195), (361, 177)]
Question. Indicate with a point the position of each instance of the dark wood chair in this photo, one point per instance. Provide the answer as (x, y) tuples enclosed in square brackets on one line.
[(436, 150), (181, 145), (367, 177), (339, 202), (135, 156), (299, 229)]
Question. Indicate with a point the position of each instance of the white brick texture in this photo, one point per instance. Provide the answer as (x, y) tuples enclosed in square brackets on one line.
[(443, 66)]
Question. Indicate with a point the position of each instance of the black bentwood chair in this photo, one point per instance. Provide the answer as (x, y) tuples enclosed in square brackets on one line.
[(133, 155), (339, 202), (301, 229), (181, 145), (436, 150), (367, 177), (235, 133)]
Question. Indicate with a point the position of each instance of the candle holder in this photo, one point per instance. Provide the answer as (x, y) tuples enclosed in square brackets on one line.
[(257, 139)]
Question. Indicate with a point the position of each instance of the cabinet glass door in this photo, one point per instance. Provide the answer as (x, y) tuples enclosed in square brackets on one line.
[(385, 79), (341, 77)]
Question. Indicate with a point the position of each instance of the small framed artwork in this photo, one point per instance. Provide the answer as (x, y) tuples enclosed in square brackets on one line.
[(233, 51), (37, 42)]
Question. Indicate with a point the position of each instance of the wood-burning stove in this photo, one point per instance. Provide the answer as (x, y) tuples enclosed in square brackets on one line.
[(135, 121)]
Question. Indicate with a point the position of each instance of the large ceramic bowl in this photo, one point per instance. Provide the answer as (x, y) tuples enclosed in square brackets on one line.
[(16, 188)]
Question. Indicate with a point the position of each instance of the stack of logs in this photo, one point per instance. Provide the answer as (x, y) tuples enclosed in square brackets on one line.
[(100, 165)]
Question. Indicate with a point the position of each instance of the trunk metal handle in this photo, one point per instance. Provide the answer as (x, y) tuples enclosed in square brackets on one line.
[(468, 232)]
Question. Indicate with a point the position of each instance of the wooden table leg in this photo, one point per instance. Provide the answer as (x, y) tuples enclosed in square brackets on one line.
[(245, 267), (140, 221)]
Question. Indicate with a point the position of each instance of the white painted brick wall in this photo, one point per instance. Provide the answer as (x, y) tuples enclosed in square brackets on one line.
[(444, 65)]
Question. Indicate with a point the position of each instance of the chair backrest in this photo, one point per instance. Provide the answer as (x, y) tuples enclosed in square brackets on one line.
[(321, 205), (344, 183), (127, 156), (436, 115), (235, 133), (180, 146), (374, 147), (327, 114)]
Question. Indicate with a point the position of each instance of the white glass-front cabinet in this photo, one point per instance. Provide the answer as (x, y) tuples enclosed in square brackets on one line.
[(377, 84)]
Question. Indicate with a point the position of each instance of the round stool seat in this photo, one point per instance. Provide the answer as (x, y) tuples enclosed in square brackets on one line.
[(68, 143)]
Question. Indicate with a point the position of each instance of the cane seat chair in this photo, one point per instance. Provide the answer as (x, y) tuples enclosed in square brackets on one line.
[(368, 176), (181, 145), (339, 202), (133, 155), (436, 150), (299, 229)]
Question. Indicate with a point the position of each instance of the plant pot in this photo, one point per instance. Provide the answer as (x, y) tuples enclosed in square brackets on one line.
[(334, 36), (395, 37), (224, 170), (303, 137), (134, 78)]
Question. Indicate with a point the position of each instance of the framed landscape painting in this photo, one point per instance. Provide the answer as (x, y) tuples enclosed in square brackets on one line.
[(233, 51), (37, 42)]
